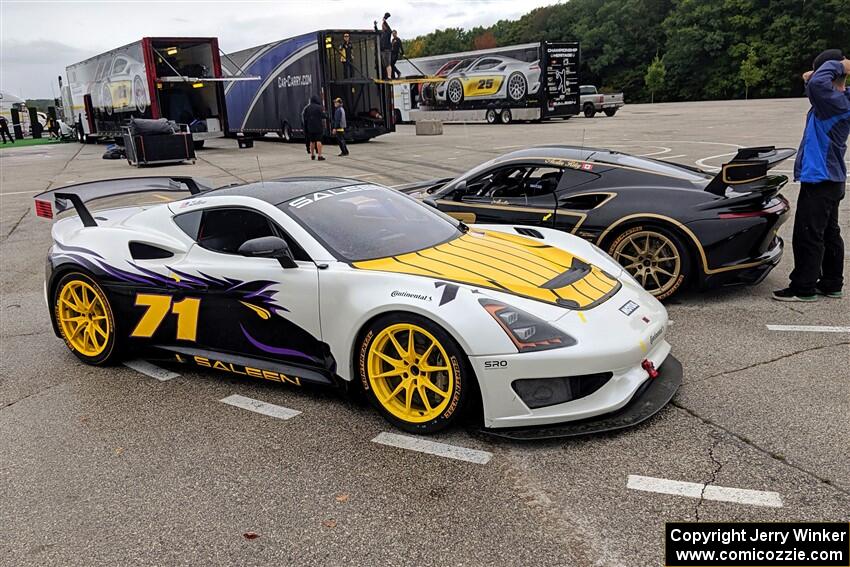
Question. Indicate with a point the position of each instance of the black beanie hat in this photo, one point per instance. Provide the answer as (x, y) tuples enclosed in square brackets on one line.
[(828, 55)]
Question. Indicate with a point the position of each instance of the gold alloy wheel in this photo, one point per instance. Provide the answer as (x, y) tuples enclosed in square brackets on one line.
[(410, 373), (81, 312), (651, 258)]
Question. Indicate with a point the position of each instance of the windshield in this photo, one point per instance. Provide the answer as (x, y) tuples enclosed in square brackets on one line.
[(362, 222)]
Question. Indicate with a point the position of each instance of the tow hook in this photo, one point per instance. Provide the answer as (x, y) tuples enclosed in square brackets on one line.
[(649, 366)]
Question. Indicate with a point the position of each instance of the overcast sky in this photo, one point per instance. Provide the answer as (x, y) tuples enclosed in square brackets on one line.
[(38, 39)]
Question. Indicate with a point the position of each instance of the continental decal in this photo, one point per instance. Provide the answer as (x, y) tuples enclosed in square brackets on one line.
[(243, 370), (509, 263)]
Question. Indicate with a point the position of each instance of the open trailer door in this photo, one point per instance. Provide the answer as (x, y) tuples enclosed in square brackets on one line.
[(187, 84), (367, 102)]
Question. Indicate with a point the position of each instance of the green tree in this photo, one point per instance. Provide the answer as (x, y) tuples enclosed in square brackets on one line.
[(751, 72), (656, 74)]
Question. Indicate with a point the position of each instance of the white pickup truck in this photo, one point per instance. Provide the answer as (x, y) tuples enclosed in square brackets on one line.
[(592, 101)]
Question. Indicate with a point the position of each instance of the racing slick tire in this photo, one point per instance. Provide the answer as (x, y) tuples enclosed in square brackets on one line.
[(589, 110), (517, 87), (655, 256), (397, 116), (413, 372), (286, 132), (506, 117), (454, 91), (610, 112), (491, 117), (85, 320)]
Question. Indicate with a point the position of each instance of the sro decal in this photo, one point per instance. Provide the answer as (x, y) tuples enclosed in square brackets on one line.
[(495, 364)]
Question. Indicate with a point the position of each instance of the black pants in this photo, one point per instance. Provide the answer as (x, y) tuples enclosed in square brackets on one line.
[(347, 69), (396, 72), (340, 139), (5, 133), (818, 247)]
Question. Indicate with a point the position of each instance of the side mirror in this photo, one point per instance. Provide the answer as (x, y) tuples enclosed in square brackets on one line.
[(458, 190), (269, 247)]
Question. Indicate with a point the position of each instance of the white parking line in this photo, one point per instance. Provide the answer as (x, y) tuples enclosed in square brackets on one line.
[(808, 328), (697, 490), (257, 406), (672, 157), (151, 370), (433, 448)]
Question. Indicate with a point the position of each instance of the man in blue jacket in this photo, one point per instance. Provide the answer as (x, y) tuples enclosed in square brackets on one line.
[(822, 173)]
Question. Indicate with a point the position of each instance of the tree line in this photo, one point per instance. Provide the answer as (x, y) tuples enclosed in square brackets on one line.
[(673, 50)]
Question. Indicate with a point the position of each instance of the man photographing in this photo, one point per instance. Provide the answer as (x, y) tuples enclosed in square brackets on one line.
[(822, 173)]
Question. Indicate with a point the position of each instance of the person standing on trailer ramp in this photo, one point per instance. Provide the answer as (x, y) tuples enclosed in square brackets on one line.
[(822, 173)]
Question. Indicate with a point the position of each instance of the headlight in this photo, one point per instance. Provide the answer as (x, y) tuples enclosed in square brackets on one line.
[(527, 332)]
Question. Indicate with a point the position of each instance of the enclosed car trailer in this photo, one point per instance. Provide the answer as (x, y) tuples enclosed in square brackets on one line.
[(156, 77), (532, 81), (292, 70)]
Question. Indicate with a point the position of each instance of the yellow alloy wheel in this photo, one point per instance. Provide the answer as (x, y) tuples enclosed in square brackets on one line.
[(651, 258), (82, 315), (410, 373)]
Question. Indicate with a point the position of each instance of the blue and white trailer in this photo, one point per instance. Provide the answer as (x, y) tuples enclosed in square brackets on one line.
[(292, 70)]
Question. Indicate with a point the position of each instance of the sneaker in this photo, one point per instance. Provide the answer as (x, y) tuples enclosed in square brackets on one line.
[(321, 158), (832, 294), (312, 157), (788, 294)]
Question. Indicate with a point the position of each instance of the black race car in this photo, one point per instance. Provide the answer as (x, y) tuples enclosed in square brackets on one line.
[(670, 225)]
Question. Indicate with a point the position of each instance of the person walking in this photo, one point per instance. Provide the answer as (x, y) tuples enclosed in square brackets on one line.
[(314, 126), (396, 51), (339, 124), (345, 55), (822, 173), (4, 130), (386, 45)]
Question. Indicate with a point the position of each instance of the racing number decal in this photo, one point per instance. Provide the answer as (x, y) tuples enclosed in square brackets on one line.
[(483, 87), (159, 306)]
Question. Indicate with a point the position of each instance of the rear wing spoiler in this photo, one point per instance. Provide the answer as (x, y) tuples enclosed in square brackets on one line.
[(52, 203), (748, 166)]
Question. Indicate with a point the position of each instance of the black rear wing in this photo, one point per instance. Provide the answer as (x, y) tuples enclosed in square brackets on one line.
[(56, 201), (748, 166)]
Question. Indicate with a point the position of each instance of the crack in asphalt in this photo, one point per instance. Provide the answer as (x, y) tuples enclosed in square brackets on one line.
[(774, 456), (15, 226), (49, 185), (12, 403), (215, 165), (717, 466), (33, 334), (763, 362)]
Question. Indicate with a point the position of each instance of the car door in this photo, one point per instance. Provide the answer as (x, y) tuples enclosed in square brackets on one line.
[(516, 194), (483, 78), (223, 302)]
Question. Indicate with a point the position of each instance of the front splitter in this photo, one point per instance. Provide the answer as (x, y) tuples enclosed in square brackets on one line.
[(652, 395)]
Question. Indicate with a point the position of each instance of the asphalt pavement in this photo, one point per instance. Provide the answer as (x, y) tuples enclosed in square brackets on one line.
[(109, 466)]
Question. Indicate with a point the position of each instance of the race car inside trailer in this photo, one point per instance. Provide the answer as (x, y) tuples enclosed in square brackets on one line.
[(531, 81), (175, 78), (292, 70)]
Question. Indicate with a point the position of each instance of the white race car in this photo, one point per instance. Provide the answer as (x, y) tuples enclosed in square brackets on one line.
[(489, 77), (340, 282)]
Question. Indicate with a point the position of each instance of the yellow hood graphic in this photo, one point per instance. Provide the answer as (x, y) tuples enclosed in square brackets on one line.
[(508, 263)]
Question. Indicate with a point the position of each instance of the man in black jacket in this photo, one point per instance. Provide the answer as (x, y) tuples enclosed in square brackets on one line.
[(396, 52), (314, 126), (386, 45), (345, 55)]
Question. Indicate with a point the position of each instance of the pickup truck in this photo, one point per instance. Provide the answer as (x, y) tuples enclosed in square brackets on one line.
[(592, 101)]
